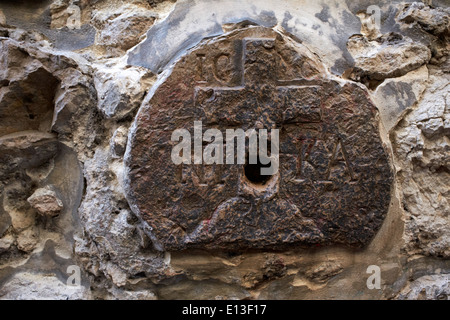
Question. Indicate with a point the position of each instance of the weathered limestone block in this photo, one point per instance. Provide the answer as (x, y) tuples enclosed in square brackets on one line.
[(21, 225), (121, 29), (30, 77), (431, 287), (369, 27), (46, 202), (21, 219), (46, 91), (433, 20), (71, 103), (26, 149), (318, 24), (35, 286), (333, 185), (2, 19), (391, 55), (76, 109), (433, 25), (334, 181)]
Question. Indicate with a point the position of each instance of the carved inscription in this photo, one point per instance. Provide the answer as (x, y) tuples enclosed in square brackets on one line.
[(334, 177)]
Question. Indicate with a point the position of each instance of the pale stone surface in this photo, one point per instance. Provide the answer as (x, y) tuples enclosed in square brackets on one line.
[(120, 88), (391, 55), (369, 27), (315, 24), (73, 111), (46, 202), (26, 149), (432, 127), (117, 294), (20, 220), (432, 22), (395, 96), (65, 116), (423, 152), (434, 287)]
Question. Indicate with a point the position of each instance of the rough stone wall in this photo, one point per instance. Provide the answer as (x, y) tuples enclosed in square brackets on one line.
[(73, 76)]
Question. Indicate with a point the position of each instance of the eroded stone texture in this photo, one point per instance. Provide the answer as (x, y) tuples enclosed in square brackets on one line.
[(334, 181), (120, 89), (396, 95)]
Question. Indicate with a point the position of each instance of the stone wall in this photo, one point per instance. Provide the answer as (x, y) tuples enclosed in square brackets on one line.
[(82, 81)]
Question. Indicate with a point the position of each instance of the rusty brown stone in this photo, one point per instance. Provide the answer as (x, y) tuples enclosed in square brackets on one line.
[(333, 185)]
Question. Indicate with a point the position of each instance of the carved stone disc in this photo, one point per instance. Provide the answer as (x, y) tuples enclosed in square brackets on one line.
[(334, 179)]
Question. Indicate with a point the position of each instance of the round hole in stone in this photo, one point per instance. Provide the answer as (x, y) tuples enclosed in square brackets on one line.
[(253, 173)]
